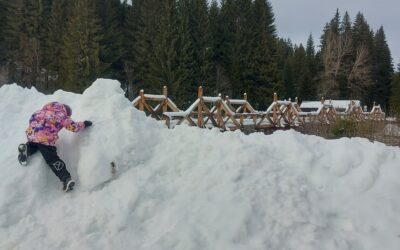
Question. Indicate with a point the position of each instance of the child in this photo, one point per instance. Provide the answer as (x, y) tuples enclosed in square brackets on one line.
[(42, 135)]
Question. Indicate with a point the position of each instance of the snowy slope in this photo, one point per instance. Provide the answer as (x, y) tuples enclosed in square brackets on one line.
[(190, 188)]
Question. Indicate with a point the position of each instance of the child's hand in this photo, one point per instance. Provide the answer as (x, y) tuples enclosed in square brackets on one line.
[(87, 123)]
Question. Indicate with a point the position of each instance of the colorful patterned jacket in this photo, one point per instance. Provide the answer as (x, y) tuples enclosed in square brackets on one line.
[(45, 124)]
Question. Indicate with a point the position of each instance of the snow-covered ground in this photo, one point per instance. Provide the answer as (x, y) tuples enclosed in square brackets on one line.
[(190, 188)]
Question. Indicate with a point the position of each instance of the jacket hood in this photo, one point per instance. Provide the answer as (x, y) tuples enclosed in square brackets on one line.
[(55, 106)]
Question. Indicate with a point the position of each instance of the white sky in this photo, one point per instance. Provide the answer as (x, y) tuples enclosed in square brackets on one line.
[(296, 19)]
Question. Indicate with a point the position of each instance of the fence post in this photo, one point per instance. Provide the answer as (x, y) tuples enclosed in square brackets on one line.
[(165, 104), (219, 115), (289, 112), (244, 109), (200, 107), (322, 115), (141, 103), (275, 118)]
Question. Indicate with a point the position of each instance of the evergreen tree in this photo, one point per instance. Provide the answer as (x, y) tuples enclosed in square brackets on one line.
[(242, 46), (110, 12), (3, 14), (248, 51), (32, 47), (144, 19), (193, 47), (362, 33), (348, 59), (13, 36), (221, 29), (333, 26), (3, 64), (395, 93), (284, 51), (80, 52), (214, 45), (21, 44), (345, 26), (288, 86), (264, 55), (225, 46), (309, 88), (188, 66), (301, 73), (130, 27), (333, 48), (163, 66), (382, 69), (53, 44), (157, 59), (200, 35), (363, 44), (310, 50)]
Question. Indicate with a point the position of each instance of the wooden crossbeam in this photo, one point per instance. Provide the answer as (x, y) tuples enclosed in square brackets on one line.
[(238, 112)]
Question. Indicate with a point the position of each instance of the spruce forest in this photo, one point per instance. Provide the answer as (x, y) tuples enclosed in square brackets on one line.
[(230, 47)]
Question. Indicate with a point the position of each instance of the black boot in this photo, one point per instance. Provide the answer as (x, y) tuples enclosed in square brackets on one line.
[(68, 185), (23, 154)]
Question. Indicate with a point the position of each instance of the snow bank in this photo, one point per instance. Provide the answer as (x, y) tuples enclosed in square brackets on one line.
[(189, 188)]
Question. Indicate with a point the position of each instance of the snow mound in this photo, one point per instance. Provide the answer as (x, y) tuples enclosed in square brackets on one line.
[(189, 188)]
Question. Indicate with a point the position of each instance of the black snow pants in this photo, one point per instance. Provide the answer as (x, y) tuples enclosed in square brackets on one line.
[(52, 159)]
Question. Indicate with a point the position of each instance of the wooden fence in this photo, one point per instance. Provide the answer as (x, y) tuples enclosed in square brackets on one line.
[(232, 114)]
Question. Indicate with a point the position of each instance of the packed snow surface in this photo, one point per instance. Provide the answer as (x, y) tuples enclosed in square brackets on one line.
[(190, 188)]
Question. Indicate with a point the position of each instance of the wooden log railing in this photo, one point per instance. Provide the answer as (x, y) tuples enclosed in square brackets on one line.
[(209, 110), (232, 114), (143, 103)]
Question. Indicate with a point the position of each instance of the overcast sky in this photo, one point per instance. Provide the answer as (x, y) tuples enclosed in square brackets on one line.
[(296, 19)]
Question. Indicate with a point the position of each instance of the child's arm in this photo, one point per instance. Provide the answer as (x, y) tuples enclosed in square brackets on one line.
[(73, 126)]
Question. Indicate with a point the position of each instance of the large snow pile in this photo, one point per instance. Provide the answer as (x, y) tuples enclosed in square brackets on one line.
[(189, 188)]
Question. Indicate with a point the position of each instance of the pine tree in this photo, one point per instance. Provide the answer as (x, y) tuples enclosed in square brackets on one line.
[(348, 59), (395, 93), (332, 27), (334, 48), (242, 45), (3, 14), (163, 66), (288, 86), (214, 36), (363, 44), (188, 66), (193, 47), (284, 74), (110, 12), (362, 33), (130, 25), (22, 41), (52, 44), (3, 65), (309, 88), (335, 23), (163, 58), (221, 36), (300, 72), (143, 21), (382, 69), (345, 26), (34, 46), (80, 52), (200, 35), (225, 47), (13, 37), (264, 57)]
